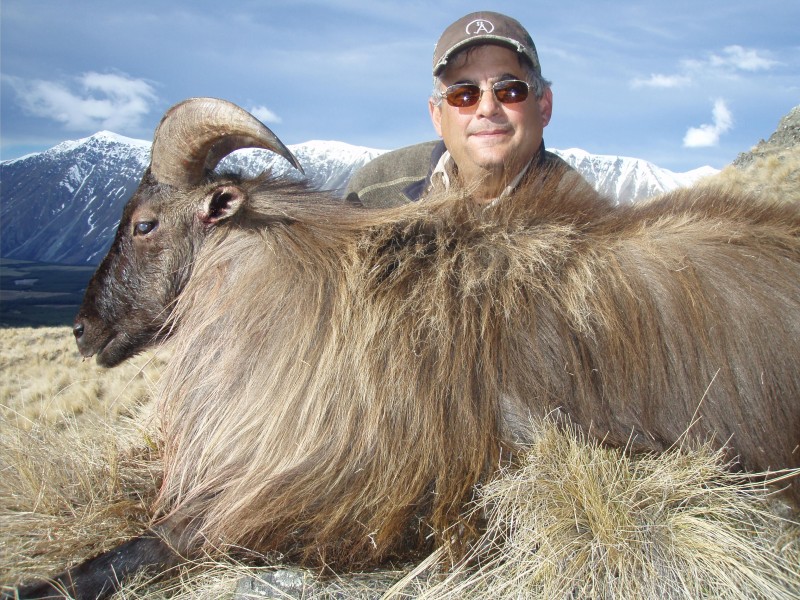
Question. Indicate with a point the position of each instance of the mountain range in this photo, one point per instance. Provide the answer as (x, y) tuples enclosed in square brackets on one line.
[(63, 205)]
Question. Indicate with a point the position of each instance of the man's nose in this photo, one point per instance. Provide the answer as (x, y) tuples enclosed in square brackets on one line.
[(487, 104)]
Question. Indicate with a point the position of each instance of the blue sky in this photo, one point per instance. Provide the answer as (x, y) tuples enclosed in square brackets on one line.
[(683, 84)]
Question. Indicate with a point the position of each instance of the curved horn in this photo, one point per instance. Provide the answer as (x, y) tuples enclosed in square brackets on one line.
[(196, 134)]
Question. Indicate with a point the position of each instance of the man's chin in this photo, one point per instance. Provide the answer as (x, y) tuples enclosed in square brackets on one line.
[(492, 156), (497, 166)]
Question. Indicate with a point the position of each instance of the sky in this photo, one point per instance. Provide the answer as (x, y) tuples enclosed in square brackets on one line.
[(683, 84)]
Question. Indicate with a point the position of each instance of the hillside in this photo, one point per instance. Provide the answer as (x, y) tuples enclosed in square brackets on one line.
[(773, 165), (63, 205), (785, 140)]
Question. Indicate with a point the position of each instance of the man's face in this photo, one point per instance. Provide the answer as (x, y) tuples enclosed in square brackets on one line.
[(490, 141)]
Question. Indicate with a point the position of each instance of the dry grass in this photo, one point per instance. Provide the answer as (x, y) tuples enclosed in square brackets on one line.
[(581, 521), (71, 491), (77, 466), (45, 380), (775, 173)]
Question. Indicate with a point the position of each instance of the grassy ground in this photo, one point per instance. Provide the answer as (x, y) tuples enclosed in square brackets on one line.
[(45, 381)]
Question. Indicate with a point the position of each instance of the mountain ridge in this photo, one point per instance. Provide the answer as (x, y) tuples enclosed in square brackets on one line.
[(63, 205)]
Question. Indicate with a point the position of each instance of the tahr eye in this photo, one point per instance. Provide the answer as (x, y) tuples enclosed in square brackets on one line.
[(144, 227)]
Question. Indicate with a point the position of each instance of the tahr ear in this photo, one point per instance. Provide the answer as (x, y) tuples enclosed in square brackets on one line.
[(221, 203)]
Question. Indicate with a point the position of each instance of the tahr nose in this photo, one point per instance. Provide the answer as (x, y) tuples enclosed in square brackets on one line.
[(78, 330)]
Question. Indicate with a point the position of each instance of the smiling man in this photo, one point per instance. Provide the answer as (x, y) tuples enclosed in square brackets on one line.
[(490, 105)]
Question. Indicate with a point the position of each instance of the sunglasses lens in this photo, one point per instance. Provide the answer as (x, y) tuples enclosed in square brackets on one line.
[(462, 95), (511, 92)]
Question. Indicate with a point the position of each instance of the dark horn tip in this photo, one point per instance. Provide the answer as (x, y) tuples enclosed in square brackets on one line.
[(296, 164)]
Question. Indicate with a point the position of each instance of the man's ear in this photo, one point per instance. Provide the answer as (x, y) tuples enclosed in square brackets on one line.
[(436, 116), (546, 106), (221, 203)]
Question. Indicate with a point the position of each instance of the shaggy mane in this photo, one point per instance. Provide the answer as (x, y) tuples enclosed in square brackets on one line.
[(392, 359)]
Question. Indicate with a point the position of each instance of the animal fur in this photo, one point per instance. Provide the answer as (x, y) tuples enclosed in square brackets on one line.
[(344, 378)]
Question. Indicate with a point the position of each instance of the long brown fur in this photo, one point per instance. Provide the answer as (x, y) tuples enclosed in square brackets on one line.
[(344, 378)]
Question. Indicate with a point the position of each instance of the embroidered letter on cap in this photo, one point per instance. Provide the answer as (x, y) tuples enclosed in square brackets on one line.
[(480, 26)]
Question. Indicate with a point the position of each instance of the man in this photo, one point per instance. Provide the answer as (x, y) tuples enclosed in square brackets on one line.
[(489, 105)]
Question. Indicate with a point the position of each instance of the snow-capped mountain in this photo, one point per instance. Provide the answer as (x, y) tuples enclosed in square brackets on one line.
[(628, 179), (63, 205), (327, 165)]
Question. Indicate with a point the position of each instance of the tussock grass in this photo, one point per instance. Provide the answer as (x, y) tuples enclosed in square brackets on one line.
[(775, 173), (78, 466), (71, 492), (45, 380), (582, 521)]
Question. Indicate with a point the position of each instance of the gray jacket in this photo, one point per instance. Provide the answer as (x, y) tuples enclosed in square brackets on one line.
[(402, 176)]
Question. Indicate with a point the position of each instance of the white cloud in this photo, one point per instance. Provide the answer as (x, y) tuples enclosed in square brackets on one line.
[(661, 81), (265, 115), (101, 101), (741, 59), (708, 135), (731, 59)]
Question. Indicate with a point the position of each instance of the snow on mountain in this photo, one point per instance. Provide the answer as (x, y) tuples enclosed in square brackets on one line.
[(628, 179), (328, 165), (63, 205)]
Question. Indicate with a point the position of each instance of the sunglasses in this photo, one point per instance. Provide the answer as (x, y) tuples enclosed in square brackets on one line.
[(507, 91)]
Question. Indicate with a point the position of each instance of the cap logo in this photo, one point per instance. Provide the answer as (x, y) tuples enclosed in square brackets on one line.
[(480, 26)]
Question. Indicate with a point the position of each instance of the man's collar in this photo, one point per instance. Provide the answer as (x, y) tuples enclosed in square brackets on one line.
[(443, 170)]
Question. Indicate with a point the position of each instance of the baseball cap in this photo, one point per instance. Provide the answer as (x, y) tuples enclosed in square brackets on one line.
[(484, 27)]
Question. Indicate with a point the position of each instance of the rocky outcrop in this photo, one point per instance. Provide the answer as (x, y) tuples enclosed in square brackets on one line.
[(785, 139)]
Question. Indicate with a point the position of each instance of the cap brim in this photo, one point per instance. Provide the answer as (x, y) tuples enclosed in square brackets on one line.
[(484, 39)]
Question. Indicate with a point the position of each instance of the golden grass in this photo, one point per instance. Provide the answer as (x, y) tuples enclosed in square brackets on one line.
[(774, 173), (77, 466), (71, 491), (45, 380), (582, 521)]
